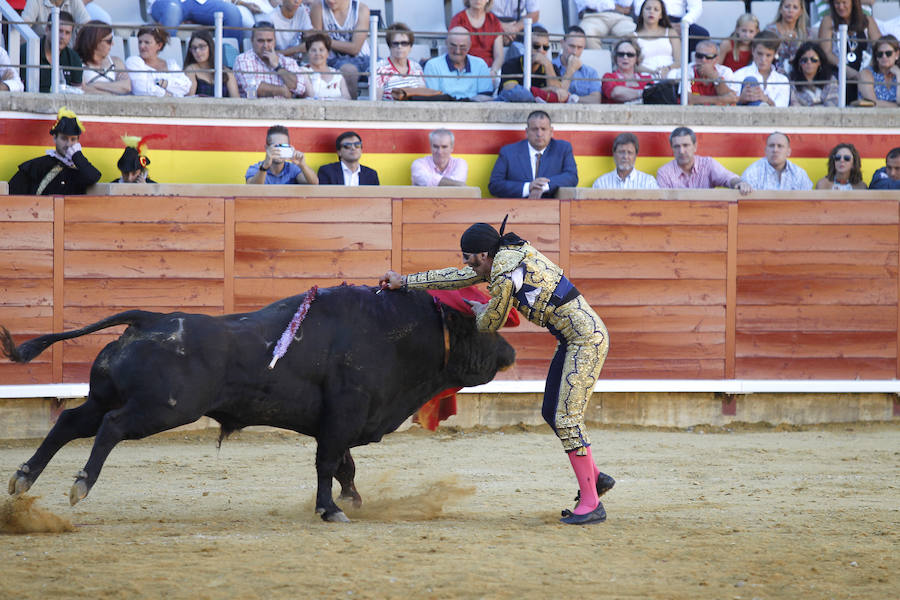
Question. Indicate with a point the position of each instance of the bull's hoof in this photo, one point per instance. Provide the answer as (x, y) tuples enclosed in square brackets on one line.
[(79, 489), (353, 498), (18, 484), (336, 516)]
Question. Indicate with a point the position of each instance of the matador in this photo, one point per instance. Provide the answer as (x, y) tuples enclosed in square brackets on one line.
[(519, 276)]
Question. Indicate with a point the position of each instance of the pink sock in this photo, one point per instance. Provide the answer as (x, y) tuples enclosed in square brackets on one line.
[(585, 472)]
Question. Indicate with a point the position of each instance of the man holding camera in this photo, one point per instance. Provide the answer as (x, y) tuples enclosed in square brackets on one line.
[(283, 163)]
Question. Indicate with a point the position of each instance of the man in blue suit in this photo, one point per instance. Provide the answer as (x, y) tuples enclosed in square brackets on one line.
[(347, 171), (535, 167)]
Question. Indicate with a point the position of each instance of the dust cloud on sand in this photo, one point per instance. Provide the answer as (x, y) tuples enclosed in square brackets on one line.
[(424, 504), (20, 514)]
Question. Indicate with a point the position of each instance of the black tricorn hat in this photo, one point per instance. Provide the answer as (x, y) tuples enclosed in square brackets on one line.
[(131, 160), (67, 123)]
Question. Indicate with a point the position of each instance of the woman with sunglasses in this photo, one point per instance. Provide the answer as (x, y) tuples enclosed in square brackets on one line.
[(878, 81), (659, 42), (860, 29), (198, 66), (844, 171), (397, 77), (812, 77), (103, 74), (625, 85), (324, 82), (792, 27)]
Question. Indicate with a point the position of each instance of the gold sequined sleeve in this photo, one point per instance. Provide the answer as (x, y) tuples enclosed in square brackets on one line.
[(444, 279), (497, 309)]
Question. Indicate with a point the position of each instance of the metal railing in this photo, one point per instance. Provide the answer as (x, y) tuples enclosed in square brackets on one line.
[(18, 29)]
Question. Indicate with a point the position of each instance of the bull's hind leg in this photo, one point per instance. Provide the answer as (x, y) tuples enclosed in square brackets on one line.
[(79, 422), (346, 472)]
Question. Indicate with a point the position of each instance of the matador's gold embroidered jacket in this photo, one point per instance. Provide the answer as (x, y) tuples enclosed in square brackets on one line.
[(540, 278)]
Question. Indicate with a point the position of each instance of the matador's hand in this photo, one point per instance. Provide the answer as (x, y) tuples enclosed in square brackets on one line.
[(477, 307), (392, 280)]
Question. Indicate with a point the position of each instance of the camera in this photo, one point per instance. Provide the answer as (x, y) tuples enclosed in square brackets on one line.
[(284, 151)]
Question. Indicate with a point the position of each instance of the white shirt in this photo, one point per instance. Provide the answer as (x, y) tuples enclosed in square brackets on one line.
[(762, 176), (350, 177), (14, 83), (636, 180), (532, 153), (777, 87), (600, 5), (507, 8), (688, 10), (144, 78), (299, 22)]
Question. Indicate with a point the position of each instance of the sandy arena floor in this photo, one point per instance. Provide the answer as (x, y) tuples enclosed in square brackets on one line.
[(753, 513)]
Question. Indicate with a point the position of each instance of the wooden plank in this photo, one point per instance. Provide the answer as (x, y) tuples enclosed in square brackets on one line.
[(648, 265), (817, 237), (26, 292), (816, 318), (130, 264), (76, 372), (660, 292), (435, 236), (812, 210), (458, 211), (565, 235), (26, 208), (254, 293), (846, 292), (27, 319), (141, 292), (59, 265), (228, 257), (731, 291), (313, 210), (796, 344), (361, 264), (26, 236), (26, 264), (617, 367), (424, 260), (81, 316), (668, 345), (313, 236), (525, 369), (648, 212), (815, 368), (648, 238), (808, 265), (663, 319), (86, 348), (397, 235), (128, 209), (531, 345), (31, 373), (144, 236)]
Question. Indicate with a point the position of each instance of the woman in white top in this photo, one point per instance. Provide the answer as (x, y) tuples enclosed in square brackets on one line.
[(151, 75), (324, 82), (660, 42), (103, 74), (397, 77)]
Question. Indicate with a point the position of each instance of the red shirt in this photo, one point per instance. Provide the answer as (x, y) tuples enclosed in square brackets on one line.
[(482, 45), (643, 80), (744, 57), (703, 88)]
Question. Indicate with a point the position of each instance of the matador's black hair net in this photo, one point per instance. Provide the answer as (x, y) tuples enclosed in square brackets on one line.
[(482, 237)]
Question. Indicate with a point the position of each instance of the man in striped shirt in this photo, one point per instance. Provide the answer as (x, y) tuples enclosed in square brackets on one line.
[(624, 151), (695, 172)]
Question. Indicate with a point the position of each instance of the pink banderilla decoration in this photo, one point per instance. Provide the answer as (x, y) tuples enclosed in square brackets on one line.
[(288, 336)]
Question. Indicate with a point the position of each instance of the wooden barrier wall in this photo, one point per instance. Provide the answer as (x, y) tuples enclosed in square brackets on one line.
[(692, 286)]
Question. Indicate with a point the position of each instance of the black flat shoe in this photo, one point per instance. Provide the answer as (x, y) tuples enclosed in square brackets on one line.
[(604, 484), (598, 515)]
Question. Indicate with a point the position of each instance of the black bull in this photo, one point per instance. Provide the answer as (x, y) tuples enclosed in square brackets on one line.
[(360, 364)]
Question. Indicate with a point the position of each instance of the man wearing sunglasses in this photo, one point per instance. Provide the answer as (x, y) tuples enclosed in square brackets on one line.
[(545, 82), (709, 80), (347, 171), (888, 176)]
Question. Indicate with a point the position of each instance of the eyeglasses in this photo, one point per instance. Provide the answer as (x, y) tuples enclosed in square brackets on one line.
[(401, 44), (845, 157), (198, 47), (809, 59), (699, 56), (626, 54), (107, 40), (883, 53), (348, 145), (541, 46)]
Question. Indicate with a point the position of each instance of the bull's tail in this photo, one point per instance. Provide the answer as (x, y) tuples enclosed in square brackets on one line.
[(27, 351)]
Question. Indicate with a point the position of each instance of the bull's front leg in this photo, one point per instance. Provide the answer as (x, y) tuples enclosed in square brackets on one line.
[(328, 457)]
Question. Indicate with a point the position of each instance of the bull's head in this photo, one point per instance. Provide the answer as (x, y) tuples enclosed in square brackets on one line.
[(475, 356)]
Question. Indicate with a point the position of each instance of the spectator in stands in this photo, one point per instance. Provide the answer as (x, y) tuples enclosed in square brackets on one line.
[(347, 22), (878, 82), (97, 12), (39, 10), (762, 84), (861, 28), (199, 63), (709, 80), (792, 28), (151, 75), (172, 13), (535, 167), (487, 43), (397, 77), (844, 170), (263, 73), (9, 76), (625, 177), (133, 163), (604, 18), (62, 171), (775, 171), (512, 15), (103, 74), (659, 42), (456, 74), (812, 78), (348, 171), (545, 83), (687, 10), (283, 163), (291, 20), (581, 80), (695, 172), (70, 65), (888, 176), (322, 82), (441, 168), (735, 52), (625, 85)]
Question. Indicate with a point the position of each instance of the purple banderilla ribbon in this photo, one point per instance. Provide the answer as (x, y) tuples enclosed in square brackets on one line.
[(288, 335)]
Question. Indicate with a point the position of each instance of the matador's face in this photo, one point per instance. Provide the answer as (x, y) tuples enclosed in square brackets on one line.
[(480, 262)]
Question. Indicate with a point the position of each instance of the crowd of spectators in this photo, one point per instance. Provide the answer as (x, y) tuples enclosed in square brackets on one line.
[(791, 61)]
